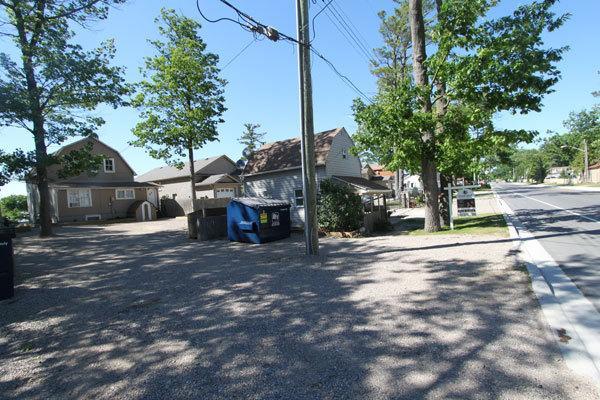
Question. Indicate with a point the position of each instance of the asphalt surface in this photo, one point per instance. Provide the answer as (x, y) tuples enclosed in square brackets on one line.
[(567, 224)]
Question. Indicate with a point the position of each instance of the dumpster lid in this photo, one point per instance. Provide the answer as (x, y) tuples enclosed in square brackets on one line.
[(256, 202)]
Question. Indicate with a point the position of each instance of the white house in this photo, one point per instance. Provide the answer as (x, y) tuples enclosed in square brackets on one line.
[(274, 170)]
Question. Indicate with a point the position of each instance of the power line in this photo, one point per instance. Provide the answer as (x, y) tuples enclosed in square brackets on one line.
[(346, 26), (315, 17), (257, 27), (344, 78), (239, 53), (348, 39), (363, 39)]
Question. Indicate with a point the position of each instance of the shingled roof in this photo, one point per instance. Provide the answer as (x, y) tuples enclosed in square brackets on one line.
[(167, 172), (285, 154)]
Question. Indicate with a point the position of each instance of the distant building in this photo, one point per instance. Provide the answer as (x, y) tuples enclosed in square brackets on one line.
[(216, 177), (109, 193), (274, 170)]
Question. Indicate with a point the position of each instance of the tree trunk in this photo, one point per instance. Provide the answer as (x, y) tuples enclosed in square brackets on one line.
[(444, 200), (397, 184), (37, 119), (428, 167), (192, 175), (42, 181), (441, 105)]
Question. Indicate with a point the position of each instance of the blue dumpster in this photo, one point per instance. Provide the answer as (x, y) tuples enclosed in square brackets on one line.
[(257, 220)]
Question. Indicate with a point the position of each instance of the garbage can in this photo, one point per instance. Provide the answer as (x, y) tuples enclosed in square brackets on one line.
[(7, 267), (257, 220)]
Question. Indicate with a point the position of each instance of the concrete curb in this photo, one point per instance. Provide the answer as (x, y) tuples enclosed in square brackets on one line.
[(573, 319)]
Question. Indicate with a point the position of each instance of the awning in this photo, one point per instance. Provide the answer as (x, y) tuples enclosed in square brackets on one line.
[(362, 185)]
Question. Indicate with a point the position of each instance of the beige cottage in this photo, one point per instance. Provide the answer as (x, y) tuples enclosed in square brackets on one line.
[(105, 194)]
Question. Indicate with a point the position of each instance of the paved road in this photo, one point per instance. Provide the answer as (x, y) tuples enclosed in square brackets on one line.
[(567, 224)]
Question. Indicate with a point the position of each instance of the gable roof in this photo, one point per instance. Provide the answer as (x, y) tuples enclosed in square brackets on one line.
[(285, 154), (220, 178), (364, 186), (93, 139), (166, 172)]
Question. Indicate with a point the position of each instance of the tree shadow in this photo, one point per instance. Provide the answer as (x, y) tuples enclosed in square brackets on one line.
[(106, 315)]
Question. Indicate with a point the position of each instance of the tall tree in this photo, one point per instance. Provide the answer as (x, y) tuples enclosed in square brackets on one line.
[(428, 167), (477, 67), (181, 98), (51, 84), (251, 138), (392, 64)]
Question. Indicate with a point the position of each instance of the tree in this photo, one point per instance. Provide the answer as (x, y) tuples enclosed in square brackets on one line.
[(13, 207), (251, 138), (181, 98), (442, 121), (50, 87)]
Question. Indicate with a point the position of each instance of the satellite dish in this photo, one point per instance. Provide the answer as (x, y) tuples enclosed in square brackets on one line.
[(240, 163), (247, 152)]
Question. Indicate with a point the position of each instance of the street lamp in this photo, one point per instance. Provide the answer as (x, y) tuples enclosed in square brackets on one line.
[(585, 158)]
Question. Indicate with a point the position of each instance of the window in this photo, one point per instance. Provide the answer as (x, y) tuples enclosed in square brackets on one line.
[(299, 197), (125, 194), (109, 165), (224, 193), (344, 153), (79, 198)]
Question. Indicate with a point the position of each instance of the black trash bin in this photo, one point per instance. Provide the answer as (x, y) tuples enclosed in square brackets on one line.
[(7, 264)]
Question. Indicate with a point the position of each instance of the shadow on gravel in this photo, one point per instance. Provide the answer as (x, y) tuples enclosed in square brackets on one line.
[(158, 316)]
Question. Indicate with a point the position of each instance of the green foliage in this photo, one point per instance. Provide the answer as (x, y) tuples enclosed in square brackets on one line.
[(480, 66), (50, 88), (339, 208), (181, 98), (251, 138), (559, 150), (14, 207)]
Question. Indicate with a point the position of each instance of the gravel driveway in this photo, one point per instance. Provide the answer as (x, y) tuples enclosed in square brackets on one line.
[(137, 311)]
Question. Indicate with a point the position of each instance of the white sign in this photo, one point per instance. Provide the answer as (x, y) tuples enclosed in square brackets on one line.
[(465, 200)]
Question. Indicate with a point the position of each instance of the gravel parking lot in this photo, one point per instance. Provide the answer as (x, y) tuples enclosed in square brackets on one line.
[(138, 311)]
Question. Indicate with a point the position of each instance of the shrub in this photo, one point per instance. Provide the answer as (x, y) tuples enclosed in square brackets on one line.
[(339, 209), (14, 207)]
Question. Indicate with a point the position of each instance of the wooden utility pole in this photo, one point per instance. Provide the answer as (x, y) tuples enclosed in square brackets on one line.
[(308, 133)]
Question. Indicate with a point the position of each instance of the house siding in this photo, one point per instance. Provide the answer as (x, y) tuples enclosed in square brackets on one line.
[(103, 204), (281, 186), (122, 172), (336, 164)]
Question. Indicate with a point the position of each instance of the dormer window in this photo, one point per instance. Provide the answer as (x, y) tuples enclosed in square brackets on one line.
[(109, 165)]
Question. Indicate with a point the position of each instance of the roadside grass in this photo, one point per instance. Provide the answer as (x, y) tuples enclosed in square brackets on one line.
[(484, 224)]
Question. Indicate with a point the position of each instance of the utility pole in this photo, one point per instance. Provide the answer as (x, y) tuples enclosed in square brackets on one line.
[(586, 162), (308, 132)]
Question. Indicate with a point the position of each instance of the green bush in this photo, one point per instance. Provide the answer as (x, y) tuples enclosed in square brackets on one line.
[(14, 207), (339, 209)]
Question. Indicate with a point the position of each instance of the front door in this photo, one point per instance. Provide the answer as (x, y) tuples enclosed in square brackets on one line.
[(146, 212), (151, 196)]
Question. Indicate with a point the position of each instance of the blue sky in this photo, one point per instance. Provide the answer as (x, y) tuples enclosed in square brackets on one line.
[(263, 81)]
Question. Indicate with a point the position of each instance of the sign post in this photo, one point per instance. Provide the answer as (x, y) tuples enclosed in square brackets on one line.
[(465, 201)]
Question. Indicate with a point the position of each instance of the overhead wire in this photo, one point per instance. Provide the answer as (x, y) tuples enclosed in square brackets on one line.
[(239, 53), (253, 25), (356, 43)]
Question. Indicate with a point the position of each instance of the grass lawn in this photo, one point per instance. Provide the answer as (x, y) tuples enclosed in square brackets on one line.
[(484, 224)]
